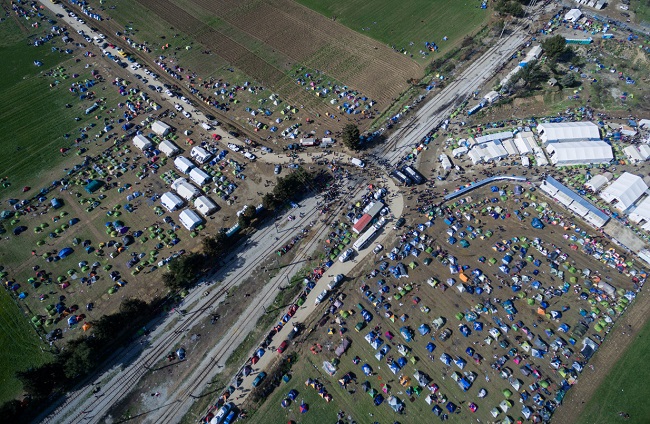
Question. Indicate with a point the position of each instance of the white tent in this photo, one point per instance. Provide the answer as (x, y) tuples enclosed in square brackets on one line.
[(200, 155), (540, 157), (567, 131), (459, 151), (170, 201), (524, 141), (624, 191), (446, 163), (199, 176), (579, 153), (160, 128), (641, 212), (596, 182), (141, 142), (644, 150), (495, 136), (184, 189), (633, 154), (509, 145), (190, 219), (168, 148), (205, 205), (183, 164), (573, 15)]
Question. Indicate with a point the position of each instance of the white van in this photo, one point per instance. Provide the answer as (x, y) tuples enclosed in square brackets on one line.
[(358, 162)]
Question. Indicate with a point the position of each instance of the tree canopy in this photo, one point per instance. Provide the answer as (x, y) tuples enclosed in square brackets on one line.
[(351, 137), (556, 49)]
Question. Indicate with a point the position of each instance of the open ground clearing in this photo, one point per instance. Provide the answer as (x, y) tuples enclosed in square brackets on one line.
[(422, 304)]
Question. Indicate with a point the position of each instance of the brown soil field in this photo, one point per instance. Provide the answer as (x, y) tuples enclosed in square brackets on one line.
[(301, 35)]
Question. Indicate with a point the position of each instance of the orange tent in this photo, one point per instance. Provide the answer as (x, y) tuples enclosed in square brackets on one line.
[(541, 311), (463, 277), (86, 326)]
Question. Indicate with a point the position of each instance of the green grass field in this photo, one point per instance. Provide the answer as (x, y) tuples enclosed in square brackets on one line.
[(403, 23), (625, 388), (21, 347), (642, 10)]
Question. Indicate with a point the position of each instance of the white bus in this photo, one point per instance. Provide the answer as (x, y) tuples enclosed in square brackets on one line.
[(364, 239)]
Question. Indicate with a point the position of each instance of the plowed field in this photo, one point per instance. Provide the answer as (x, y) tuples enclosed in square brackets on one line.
[(291, 31)]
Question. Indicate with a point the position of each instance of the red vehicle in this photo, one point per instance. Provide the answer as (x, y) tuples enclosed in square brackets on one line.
[(283, 346)]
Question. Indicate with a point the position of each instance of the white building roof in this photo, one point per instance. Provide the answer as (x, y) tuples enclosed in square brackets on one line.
[(596, 182), (525, 142), (534, 53), (459, 151), (488, 152), (199, 176), (625, 191), (446, 163), (184, 189), (641, 212), (190, 219), (170, 201), (594, 219), (183, 164), (492, 96), (168, 148), (633, 154), (579, 153), (509, 145), (205, 205), (644, 150), (141, 142), (566, 131), (573, 15), (540, 157), (160, 128), (475, 156), (491, 137), (200, 154)]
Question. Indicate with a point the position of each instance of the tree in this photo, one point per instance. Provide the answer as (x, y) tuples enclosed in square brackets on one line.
[(498, 27), (269, 202), (352, 137), (41, 381), (246, 217), (555, 48), (216, 245), (510, 8), (11, 411), (532, 75), (82, 359), (182, 271), (568, 80)]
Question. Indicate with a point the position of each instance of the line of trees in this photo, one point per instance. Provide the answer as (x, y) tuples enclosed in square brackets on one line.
[(79, 358)]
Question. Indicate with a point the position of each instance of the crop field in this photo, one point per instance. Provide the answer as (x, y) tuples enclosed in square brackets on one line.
[(507, 355), (271, 37), (407, 26), (625, 389)]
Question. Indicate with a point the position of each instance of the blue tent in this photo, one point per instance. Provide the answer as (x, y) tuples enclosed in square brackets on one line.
[(431, 347), (401, 361), (536, 223), (66, 251), (406, 333), (424, 329), (56, 203), (478, 326)]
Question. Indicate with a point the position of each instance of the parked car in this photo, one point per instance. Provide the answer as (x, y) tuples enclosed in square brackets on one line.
[(258, 380), (283, 346)]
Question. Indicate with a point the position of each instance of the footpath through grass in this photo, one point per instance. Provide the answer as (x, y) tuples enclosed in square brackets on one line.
[(406, 25), (625, 389)]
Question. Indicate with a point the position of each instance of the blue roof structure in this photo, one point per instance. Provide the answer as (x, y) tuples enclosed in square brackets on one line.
[(577, 198), (481, 183)]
